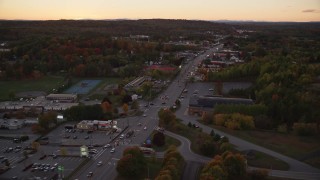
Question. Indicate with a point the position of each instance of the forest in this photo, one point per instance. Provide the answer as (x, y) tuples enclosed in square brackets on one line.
[(283, 62), (94, 48), (281, 59)]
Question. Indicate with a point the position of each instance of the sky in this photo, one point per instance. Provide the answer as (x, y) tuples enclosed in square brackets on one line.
[(257, 10)]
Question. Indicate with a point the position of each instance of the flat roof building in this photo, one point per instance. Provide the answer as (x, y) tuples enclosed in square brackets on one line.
[(200, 104), (62, 97)]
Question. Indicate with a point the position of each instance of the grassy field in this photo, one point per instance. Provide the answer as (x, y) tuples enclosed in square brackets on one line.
[(287, 144), (45, 84), (265, 161)]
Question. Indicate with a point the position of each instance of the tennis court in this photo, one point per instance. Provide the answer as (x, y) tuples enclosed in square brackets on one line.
[(83, 87)]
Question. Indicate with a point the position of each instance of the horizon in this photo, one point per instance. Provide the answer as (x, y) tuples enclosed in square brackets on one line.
[(205, 10), (129, 19)]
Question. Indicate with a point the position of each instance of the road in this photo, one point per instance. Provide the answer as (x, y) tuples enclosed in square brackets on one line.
[(174, 91)]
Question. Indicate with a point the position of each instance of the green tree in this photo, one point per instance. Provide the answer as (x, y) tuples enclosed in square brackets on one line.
[(12, 95), (158, 139), (135, 105), (212, 133), (132, 164), (46, 119)]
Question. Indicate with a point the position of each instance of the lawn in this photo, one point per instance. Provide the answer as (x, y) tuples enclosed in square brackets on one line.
[(263, 160), (45, 84), (287, 144), (260, 160)]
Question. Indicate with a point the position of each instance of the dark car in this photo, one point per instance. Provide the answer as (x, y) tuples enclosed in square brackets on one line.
[(90, 174)]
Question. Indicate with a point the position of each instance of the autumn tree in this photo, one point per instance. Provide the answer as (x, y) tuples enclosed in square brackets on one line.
[(125, 108), (214, 169), (225, 166), (46, 119), (235, 165), (132, 164), (172, 165), (35, 145), (167, 118)]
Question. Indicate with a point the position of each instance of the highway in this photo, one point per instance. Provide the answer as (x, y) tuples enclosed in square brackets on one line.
[(108, 170), (298, 170)]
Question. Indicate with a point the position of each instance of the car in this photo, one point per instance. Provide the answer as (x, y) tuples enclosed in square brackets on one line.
[(139, 124), (93, 150), (17, 150), (99, 163), (90, 174), (87, 137), (144, 115), (211, 89), (121, 136), (75, 137), (106, 146), (52, 168), (145, 128), (112, 150), (151, 103)]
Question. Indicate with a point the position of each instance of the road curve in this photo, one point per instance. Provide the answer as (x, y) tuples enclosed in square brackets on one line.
[(189, 156)]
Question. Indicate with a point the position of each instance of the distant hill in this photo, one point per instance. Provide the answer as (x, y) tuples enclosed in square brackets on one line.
[(153, 27)]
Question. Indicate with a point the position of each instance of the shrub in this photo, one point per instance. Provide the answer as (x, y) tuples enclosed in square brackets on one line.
[(258, 174), (246, 122), (234, 121), (225, 147), (263, 122), (305, 129), (216, 137), (234, 125), (219, 119)]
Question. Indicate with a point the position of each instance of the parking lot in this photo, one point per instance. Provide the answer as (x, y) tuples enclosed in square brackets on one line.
[(62, 150)]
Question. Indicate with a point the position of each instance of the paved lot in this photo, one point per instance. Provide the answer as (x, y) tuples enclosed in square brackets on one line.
[(38, 101), (83, 87)]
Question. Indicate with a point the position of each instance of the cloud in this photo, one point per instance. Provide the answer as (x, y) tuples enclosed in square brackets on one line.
[(311, 11)]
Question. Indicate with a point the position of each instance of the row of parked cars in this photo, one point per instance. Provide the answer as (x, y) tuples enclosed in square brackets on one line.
[(10, 149), (43, 167)]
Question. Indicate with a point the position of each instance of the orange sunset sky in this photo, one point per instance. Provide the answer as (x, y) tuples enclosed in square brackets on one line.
[(258, 10)]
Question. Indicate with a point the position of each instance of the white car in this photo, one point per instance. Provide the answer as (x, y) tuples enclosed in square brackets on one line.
[(145, 128), (106, 146), (112, 150), (99, 163)]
